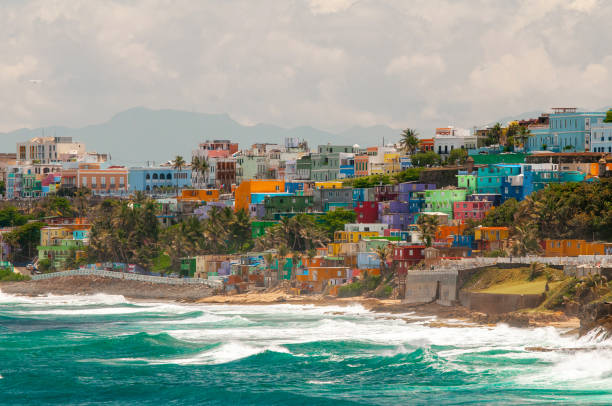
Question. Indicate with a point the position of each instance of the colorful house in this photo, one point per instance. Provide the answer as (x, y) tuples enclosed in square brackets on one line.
[(442, 200), (248, 187)]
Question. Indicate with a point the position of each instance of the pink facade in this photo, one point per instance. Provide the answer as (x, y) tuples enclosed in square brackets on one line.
[(471, 210)]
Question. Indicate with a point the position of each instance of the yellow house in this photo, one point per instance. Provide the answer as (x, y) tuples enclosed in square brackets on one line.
[(392, 162), (48, 235), (353, 236), (328, 185)]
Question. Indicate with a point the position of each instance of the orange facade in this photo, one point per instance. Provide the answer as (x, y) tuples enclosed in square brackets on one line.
[(200, 195), (426, 144), (362, 165), (445, 232), (574, 248), (319, 274), (247, 187), (111, 180)]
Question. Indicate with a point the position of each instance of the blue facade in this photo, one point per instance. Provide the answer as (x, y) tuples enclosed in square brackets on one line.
[(490, 178), (347, 171), (508, 191), (566, 132), (150, 180), (294, 187), (601, 138)]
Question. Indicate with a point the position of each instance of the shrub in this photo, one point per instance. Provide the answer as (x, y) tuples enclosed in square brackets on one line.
[(6, 275), (383, 292)]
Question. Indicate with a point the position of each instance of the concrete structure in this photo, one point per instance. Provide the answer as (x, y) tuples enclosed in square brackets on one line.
[(49, 150), (601, 137), (326, 162), (245, 189), (108, 181)]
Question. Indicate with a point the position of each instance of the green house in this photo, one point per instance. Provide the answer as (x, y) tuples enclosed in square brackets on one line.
[(258, 227), (442, 200), (188, 267), (287, 204), (59, 254), (467, 180)]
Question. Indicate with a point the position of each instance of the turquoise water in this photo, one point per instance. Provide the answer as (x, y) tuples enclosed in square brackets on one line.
[(105, 349)]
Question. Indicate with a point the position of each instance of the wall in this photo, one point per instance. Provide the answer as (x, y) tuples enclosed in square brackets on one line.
[(495, 303), (430, 286)]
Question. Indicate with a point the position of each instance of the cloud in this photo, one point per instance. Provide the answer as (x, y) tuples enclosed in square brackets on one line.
[(331, 64)]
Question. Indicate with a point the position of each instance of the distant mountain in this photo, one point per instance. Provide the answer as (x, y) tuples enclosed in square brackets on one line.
[(140, 134)]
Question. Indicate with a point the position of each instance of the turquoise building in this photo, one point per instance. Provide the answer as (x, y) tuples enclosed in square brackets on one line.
[(568, 131), (490, 178)]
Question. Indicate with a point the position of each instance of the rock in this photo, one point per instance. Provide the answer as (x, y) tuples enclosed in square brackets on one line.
[(595, 315)]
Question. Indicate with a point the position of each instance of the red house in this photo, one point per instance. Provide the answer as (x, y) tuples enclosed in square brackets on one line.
[(471, 210), (367, 212), (404, 256)]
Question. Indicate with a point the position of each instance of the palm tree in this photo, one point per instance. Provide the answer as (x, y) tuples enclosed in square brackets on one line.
[(178, 165), (201, 167), (281, 254), (525, 240), (428, 225), (409, 140), (494, 134), (82, 196), (383, 253), (523, 135)]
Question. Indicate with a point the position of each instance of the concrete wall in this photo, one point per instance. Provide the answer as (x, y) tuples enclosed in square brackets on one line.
[(494, 303), (431, 286)]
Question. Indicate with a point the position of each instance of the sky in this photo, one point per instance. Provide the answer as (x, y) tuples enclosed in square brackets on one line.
[(331, 64)]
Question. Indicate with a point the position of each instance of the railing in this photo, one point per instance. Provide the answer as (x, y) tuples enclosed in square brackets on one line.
[(468, 263), (128, 276)]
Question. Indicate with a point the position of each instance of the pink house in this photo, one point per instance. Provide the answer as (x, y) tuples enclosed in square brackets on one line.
[(471, 210)]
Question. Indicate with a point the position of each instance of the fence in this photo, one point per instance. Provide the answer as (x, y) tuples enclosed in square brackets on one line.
[(129, 276), (469, 263)]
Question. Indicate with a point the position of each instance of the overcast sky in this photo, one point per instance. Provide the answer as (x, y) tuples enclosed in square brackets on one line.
[(331, 64)]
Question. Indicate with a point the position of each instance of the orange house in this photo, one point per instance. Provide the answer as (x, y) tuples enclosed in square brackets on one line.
[(444, 231), (199, 195), (247, 187), (426, 144), (574, 248)]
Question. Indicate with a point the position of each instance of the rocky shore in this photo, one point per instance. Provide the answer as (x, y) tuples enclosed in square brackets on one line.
[(87, 285)]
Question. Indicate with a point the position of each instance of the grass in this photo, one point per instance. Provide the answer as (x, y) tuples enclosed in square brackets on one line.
[(161, 263), (512, 281), (520, 288)]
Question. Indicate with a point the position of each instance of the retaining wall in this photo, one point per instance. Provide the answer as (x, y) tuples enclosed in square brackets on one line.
[(496, 303), (431, 286)]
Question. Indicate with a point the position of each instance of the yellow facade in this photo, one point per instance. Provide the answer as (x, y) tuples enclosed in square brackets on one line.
[(353, 236), (491, 233), (49, 234), (328, 185)]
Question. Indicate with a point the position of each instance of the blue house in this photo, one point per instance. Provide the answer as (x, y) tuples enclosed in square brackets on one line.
[(568, 130), (153, 179), (490, 178)]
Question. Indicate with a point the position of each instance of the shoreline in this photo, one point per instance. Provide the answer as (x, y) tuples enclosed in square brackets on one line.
[(140, 291)]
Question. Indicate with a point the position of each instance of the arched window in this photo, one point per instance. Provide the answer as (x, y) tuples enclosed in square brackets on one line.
[(154, 176), (148, 176), (148, 188), (162, 176), (169, 176), (46, 170)]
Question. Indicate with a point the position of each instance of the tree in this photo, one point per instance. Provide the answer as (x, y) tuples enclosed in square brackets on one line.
[(300, 233), (428, 225), (11, 217), (457, 156), (23, 241), (81, 196), (409, 140), (501, 216), (200, 166), (178, 165), (383, 252), (523, 136), (335, 220), (494, 134), (281, 257), (608, 118), (428, 158), (524, 241)]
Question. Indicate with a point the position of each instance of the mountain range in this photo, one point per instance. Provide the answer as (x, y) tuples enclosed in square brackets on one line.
[(137, 135)]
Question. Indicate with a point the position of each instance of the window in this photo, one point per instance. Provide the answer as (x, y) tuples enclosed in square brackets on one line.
[(93, 182), (112, 182), (148, 176), (103, 181)]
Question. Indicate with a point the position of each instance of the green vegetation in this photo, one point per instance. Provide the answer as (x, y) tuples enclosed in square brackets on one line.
[(428, 158), (428, 226), (515, 280), (501, 216), (407, 175), (161, 263), (457, 156), (409, 140), (24, 240), (10, 217), (6, 275), (358, 288), (300, 233), (608, 118), (335, 220)]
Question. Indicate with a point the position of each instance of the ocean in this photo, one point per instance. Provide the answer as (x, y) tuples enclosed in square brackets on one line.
[(76, 350)]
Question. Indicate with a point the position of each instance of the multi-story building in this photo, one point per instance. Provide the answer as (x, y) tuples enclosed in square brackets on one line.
[(490, 177), (326, 162), (426, 144), (158, 179), (248, 187), (103, 181), (467, 180), (326, 199), (601, 137), (362, 167), (219, 154), (443, 200), (450, 138), (568, 130), (49, 150), (471, 210), (304, 167), (275, 204)]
